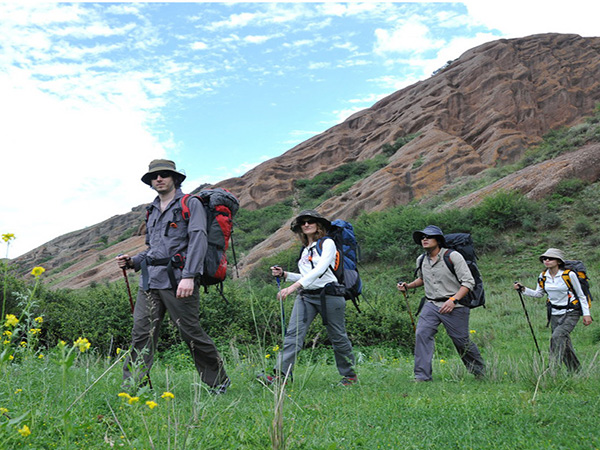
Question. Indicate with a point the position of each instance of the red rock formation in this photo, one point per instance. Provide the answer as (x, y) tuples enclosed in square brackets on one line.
[(482, 110)]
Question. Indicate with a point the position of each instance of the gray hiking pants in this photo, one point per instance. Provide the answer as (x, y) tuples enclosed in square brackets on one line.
[(457, 327), (561, 348), (304, 312), (150, 309)]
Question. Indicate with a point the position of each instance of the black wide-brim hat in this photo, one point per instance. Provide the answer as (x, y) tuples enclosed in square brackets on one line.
[(430, 230), (161, 165), (308, 213)]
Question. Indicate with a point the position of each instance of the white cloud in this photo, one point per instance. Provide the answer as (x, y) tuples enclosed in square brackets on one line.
[(411, 36), (523, 18), (198, 45), (257, 39)]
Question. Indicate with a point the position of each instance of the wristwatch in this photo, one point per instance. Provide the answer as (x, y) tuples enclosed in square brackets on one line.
[(453, 300)]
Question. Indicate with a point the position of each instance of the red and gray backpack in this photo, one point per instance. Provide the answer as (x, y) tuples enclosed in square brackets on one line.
[(220, 206)]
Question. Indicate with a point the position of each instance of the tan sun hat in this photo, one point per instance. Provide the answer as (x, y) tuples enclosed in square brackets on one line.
[(161, 165), (553, 253)]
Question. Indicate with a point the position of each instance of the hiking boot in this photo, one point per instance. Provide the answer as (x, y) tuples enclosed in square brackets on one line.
[(220, 389), (271, 379), (348, 381)]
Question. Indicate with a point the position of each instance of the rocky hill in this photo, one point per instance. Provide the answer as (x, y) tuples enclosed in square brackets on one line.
[(483, 110)]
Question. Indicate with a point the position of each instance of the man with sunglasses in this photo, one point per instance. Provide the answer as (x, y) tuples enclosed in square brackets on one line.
[(171, 266), (443, 291)]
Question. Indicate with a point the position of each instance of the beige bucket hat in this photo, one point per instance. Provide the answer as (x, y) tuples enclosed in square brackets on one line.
[(553, 253)]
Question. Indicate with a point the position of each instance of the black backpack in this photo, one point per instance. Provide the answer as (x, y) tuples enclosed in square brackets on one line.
[(463, 244)]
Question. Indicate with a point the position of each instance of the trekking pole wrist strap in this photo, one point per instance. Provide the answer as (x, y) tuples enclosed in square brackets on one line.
[(455, 301)]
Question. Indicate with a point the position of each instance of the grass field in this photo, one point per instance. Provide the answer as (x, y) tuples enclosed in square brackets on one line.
[(49, 404)]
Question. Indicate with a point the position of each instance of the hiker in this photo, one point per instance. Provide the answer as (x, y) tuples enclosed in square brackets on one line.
[(564, 314), (443, 291), (312, 286), (171, 267)]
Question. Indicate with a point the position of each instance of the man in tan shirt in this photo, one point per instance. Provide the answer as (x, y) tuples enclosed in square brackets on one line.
[(443, 292)]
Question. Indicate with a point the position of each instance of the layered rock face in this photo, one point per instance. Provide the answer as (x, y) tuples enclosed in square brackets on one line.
[(482, 110)]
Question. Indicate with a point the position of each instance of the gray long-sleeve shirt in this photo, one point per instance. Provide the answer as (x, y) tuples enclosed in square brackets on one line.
[(167, 234), (439, 281)]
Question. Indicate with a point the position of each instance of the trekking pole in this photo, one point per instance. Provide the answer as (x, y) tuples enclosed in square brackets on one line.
[(132, 308), (282, 309), (529, 322), (412, 319), (128, 288)]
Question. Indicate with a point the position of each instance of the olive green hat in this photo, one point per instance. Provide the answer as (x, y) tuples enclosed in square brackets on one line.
[(160, 165), (308, 213)]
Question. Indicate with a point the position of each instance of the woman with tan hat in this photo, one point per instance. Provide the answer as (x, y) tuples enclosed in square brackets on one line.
[(565, 305), (314, 285)]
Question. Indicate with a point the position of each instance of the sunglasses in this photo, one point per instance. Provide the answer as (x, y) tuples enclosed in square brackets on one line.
[(547, 258), (427, 237), (308, 222), (162, 174)]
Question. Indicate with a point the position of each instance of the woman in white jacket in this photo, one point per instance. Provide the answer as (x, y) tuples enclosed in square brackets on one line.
[(566, 306), (312, 284)]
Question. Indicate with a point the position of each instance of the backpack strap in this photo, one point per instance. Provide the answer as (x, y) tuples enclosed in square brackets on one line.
[(449, 262), (185, 209), (542, 281)]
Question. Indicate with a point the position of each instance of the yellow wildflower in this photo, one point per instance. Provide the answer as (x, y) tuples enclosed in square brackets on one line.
[(119, 350), (25, 431), (276, 348), (23, 344), (472, 331), (132, 400), (268, 355), (18, 391), (37, 271), (11, 357), (35, 330), (6, 237), (11, 320), (442, 361), (124, 395), (167, 396), (151, 404), (82, 343), (39, 319), (3, 410), (7, 333), (41, 356)]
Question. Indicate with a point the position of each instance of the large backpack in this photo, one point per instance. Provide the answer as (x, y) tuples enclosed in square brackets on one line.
[(220, 206), (345, 267), (570, 266), (463, 244)]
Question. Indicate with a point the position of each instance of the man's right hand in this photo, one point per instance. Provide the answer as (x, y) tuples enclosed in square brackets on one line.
[(402, 286), (123, 261)]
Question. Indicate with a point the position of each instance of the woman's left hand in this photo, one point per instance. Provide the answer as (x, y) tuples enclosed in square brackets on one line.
[(587, 320), (282, 294)]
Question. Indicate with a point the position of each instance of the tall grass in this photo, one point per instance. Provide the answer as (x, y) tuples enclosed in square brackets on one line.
[(519, 404)]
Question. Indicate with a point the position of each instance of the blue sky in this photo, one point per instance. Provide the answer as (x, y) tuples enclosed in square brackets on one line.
[(90, 93)]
